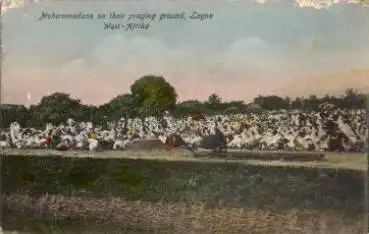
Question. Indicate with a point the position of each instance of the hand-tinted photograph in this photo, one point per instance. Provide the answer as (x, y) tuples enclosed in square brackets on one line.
[(193, 117)]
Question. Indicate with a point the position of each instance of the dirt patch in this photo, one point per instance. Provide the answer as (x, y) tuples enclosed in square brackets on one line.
[(150, 144), (162, 153), (351, 161)]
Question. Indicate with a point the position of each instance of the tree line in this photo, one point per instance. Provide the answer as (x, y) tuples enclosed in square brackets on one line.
[(152, 95)]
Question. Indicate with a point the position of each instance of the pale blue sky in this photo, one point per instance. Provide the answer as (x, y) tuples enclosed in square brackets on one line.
[(245, 50)]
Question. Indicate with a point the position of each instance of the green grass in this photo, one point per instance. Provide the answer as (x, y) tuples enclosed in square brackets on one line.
[(183, 196), (190, 181)]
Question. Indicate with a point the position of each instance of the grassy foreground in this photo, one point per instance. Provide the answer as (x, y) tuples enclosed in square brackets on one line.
[(145, 217), (73, 195)]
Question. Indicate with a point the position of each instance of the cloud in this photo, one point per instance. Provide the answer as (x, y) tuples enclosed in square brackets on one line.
[(251, 42), (117, 61), (74, 68), (245, 68), (256, 54), (193, 74), (139, 56)]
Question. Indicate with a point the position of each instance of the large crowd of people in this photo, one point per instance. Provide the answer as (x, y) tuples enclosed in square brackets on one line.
[(329, 129)]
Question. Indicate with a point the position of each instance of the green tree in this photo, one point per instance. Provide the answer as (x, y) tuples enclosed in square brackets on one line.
[(297, 103), (214, 99), (14, 113), (57, 108), (85, 113), (352, 99), (153, 95), (288, 102), (235, 107), (187, 107), (271, 102), (312, 102), (122, 106), (213, 103)]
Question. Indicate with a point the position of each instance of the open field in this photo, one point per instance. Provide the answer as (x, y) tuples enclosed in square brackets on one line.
[(117, 192)]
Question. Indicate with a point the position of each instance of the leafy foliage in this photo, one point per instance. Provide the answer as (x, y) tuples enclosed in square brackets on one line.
[(57, 107), (122, 106), (151, 95)]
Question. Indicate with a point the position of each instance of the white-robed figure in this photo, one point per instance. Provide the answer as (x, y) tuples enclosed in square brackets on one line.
[(15, 134)]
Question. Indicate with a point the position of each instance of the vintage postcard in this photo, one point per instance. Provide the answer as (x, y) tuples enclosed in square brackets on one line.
[(245, 116)]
